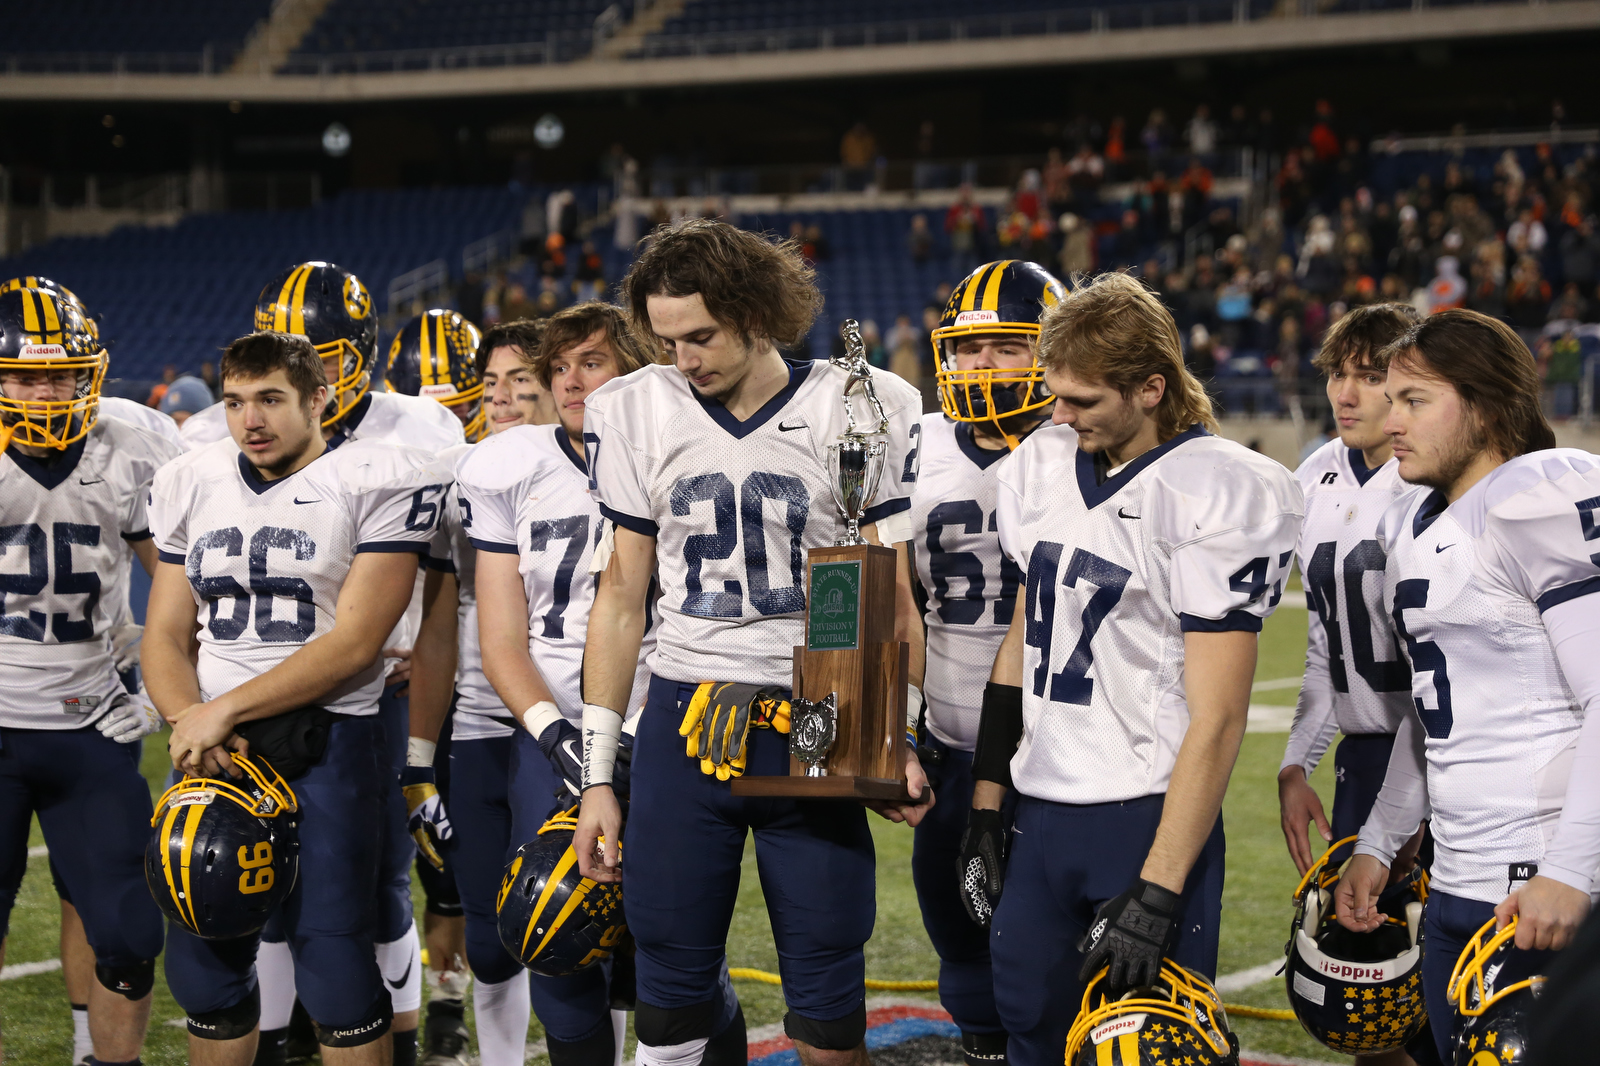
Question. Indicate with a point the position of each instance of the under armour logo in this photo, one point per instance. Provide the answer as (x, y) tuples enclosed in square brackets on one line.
[(1338, 775), (1329, 477)]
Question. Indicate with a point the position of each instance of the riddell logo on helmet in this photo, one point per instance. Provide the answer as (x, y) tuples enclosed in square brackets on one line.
[(1132, 1023), (435, 391), (43, 351), (1351, 972), (972, 318)]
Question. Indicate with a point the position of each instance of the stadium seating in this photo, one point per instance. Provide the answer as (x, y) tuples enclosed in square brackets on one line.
[(115, 26), (178, 295), (349, 26)]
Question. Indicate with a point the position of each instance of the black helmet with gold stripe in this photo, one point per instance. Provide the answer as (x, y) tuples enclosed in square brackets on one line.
[(51, 369), (436, 355), (223, 855), (552, 919), (332, 308), (1004, 298)]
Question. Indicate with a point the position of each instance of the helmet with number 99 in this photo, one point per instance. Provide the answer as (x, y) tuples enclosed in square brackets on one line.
[(436, 355), (1178, 1019), (1357, 993), (1494, 993), (1005, 297), (551, 918), (332, 308), (43, 335), (223, 857)]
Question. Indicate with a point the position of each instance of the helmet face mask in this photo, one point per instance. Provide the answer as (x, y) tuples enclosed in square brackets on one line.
[(42, 333), (332, 308), (1008, 297), (1181, 1013), (1493, 994), (435, 355)]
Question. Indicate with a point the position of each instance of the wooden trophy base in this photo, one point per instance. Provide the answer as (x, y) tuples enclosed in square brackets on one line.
[(868, 759)]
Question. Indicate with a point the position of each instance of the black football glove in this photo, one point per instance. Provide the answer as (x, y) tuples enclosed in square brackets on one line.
[(983, 864), (562, 744), (1129, 936)]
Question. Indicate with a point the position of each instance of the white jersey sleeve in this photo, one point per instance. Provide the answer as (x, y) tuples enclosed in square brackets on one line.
[(1543, 527), (203, 428), (619, 473), (130, 411)]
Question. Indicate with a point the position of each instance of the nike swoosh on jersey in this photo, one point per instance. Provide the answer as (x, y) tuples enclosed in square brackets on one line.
[(299, 500), (96, 481), (783, 428), (1439, 548), (397, 985), (1124, 514)]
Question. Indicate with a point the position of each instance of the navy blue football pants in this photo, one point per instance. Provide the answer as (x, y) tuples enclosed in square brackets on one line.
[(1447, 925), (395, 914), (682, 854), (966, 981), (1066, 860), (94, 807), (328, 918)]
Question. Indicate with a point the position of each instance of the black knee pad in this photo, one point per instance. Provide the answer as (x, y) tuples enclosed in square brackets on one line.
[(229, 1023), (983, 1049), (666, 1026), (363, 1032), (840, 1034), (599, 1048), (131, 982), (729, 1047)]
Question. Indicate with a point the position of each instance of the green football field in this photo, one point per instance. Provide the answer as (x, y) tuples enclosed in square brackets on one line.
[(36, 1025)]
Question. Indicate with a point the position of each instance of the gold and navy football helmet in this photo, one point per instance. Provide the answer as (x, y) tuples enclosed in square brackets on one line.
[(1492, 990), (1005, 297), (1357, 993), (329, 306), (1180, 1019), (223, 855), (43, 332), (436, 355), (552, 919)]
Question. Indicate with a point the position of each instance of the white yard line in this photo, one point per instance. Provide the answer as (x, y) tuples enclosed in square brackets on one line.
[(38, 851), (1276, 684), (1243, 979), (1269, 718), (28, 969)]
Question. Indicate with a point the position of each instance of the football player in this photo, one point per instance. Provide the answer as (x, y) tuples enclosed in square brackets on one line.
[(1492, 566), (505, 362), (74, 519), (715, 470), (301, 558), (991, 389), (333, 309), (435, 356), (77, 959), (1152, 550), (535, 526)]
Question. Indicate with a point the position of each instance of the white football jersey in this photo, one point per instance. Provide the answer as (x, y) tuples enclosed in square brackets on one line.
[(525, 492), (731, 502), (392, 416), (266, 559), (1466, 585), (66, 525), (479, 714), (1194, 535), (970, 583), (163, 426), (1357, 680)]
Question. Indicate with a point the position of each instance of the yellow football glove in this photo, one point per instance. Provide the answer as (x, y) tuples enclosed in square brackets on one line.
[(426, 817), (718, 720)]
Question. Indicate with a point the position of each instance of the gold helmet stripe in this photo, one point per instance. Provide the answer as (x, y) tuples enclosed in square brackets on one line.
[(425, 347), (568, 861), (969, 293), (441, 351), (166, 856), (991, 291), (566, 911), (297, 309), (191, 825)]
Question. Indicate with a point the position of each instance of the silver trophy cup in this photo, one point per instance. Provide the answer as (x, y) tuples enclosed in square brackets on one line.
[(854, 466)]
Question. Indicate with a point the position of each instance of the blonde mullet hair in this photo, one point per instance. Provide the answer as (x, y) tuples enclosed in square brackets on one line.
[(1114, 330)]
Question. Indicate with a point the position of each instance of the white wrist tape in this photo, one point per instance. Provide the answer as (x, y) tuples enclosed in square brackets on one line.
[(419, 752), (913, 708), (602, 730), (894, 529), (539, 717)]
